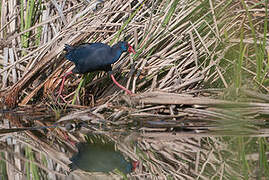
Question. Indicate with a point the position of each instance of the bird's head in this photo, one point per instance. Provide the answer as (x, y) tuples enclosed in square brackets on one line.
[(124, 46)]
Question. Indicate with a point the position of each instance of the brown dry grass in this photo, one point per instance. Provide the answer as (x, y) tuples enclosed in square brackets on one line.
[(168, 75), (167, 57)]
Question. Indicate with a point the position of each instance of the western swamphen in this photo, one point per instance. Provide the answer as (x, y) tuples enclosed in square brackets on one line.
[(95, 57)]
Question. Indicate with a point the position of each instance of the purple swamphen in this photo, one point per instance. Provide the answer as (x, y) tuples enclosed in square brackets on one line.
[(92, 57), (100, 157)]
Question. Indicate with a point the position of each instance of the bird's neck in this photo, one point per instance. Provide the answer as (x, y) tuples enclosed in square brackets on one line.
[(116, 53)]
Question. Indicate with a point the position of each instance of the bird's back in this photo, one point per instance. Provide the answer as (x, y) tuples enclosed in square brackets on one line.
[(89, 57)]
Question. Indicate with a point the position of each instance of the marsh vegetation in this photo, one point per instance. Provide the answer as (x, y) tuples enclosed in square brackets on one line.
[(199, 78)]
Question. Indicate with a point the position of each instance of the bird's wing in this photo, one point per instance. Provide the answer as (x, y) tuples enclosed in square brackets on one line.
[(90, 57), (93, 59), (82, 51)]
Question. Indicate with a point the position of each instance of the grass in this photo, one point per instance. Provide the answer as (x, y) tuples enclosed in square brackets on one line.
[(32, 169), (183, 47), (3, 167), (26, 21), (239, 63), (166, 40), (257, 52)]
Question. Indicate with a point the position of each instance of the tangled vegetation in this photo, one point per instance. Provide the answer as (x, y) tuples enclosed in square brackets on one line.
[(200, 65)]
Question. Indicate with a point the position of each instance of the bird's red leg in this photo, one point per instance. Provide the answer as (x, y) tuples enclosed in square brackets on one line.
[(120, 86), (62, 85)]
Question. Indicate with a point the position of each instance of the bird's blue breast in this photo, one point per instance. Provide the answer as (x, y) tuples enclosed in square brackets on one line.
[(116, 56)]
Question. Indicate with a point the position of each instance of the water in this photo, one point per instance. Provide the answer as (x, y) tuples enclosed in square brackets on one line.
[(33, 145)]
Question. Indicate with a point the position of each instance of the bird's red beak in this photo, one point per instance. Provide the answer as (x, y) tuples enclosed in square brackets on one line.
[(131, 49)]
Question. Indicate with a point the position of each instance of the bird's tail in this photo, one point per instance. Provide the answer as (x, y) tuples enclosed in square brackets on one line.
[(68, 47)]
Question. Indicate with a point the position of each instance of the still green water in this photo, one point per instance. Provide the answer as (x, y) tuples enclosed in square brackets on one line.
[(233, 150)]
